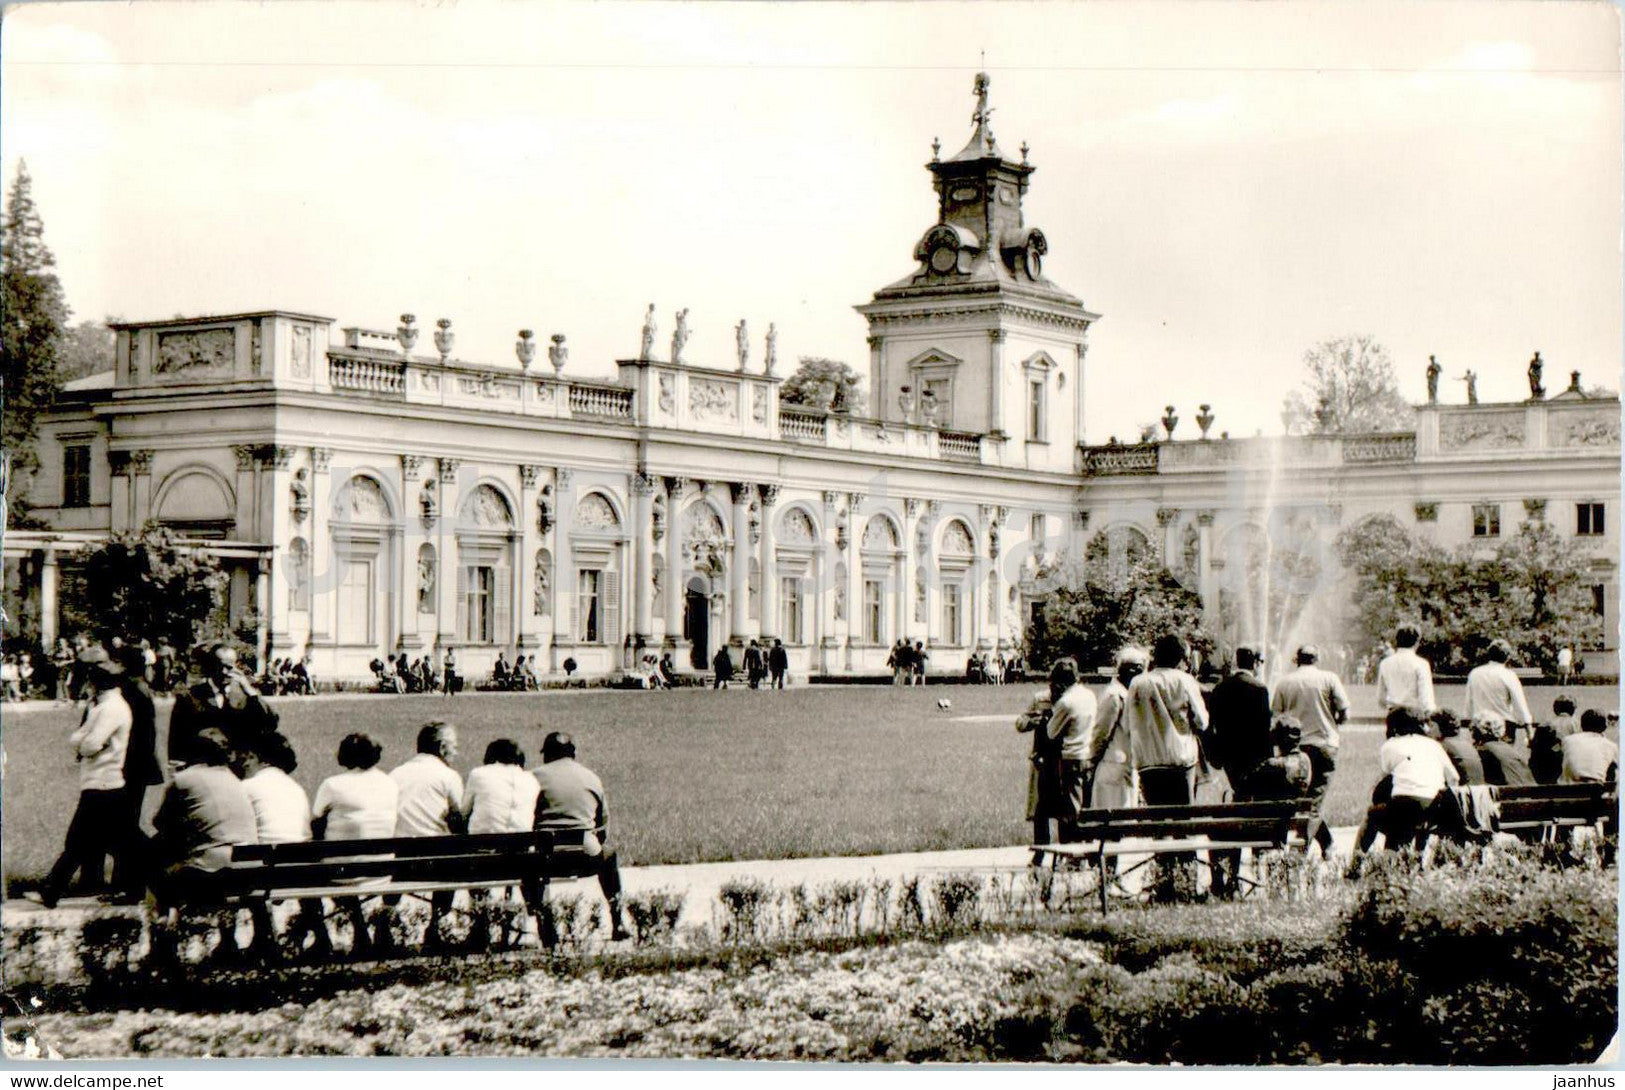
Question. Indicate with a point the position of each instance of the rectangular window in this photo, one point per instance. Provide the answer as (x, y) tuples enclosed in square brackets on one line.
[(874, 615), (1599, 599), (952, 596), (790, 612), (1035, 410), (1588, 519), (1486, 520), (479, 604), (76, 476), (589, 607)]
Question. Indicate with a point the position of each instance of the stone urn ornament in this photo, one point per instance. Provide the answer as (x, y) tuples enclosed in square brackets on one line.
[(1170, 420), (525, 349), (444, 338), (407, 333), (1204, 419), (558, 354)]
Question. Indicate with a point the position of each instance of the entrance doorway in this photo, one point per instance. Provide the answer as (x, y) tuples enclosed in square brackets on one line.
[(697, 623)]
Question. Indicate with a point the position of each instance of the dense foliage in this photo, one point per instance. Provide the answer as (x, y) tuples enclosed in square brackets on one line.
[(825, 385), (145, 584), (1349, 386), (33, 313), (1530, 587)]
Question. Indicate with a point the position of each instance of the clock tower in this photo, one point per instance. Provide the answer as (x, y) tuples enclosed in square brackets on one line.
[(976, 339)]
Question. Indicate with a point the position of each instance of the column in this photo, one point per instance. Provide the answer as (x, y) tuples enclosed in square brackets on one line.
[(993, 585), (48, 606), (120, 490), (676, 591), (854, 575), (413, 535), (829, 565), (995, 382), (1204, 569), (529, 544), (1077, 393), (564, 588), (141, 477), (1168, 519), (244, 455), (323, 579), (739, 566), (265, 612), (769, 561), (643, 486), (276, 516), (444, 513), (905, 569)]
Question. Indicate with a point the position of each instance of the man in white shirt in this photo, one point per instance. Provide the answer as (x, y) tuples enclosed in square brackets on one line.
[(1494, 692), (100, 823), (1315, 698), (281, 816), (1070, 726), (1589, 755), (1404, 678), (1421, 772), (430, 803)]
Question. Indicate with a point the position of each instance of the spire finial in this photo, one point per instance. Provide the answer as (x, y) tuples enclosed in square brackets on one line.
[(936, 149), (983, 117)]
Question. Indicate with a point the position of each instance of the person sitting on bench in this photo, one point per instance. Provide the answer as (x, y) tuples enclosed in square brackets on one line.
[(281, 816), (1422, 776), (356, 804), (1503, 763), (1590, 756), (571, 799)]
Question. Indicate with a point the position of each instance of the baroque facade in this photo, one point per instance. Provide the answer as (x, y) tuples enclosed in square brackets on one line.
[(369, 500)]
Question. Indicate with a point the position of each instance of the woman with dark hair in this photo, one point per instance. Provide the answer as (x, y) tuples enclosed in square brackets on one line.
[(356, 804), (501, 795), (1422, 775)]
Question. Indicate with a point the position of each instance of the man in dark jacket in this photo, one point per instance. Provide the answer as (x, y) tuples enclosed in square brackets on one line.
[(225, 700), (1239, 717), (142, 768), (755, 666), (778, 663)]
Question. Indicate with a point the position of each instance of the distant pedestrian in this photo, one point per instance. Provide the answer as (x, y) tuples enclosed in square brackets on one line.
[(917, 662), (1494, 692), (1404, 678), (1315, 698), (778, 663), (722, 668), (755, 665), (1565, 664)]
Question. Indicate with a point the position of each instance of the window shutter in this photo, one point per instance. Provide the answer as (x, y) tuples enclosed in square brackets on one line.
[(609, 620), (462, 602), (575, 608), (502, 607)]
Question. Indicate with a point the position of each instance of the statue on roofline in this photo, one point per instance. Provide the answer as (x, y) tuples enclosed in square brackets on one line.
[(1433, 380)]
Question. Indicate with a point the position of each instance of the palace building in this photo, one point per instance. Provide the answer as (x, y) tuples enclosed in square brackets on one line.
[(369, 497)]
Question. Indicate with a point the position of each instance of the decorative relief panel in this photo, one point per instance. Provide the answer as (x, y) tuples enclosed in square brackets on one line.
[(300, 366), (1482, 431), (758, 405), (712, 400), (199, 353), (544, 395), (796, 528), (668, 394), (595, 513), (956, 540), (361, 500), (488, 387), (880, 535), (1592, 428), (487, 509)]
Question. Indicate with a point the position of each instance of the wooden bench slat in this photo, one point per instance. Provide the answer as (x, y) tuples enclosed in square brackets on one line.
[(1150, 847), (402, 846), (1267, 830)]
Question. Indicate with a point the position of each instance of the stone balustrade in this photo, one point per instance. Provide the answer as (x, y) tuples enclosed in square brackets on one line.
[(809, 426), (376, 378), (1119, 461), (1393, 447), (960, 446), (611, 401)]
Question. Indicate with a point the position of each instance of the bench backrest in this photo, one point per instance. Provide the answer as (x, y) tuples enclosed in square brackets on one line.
[(1585, 802), (1270, 821)]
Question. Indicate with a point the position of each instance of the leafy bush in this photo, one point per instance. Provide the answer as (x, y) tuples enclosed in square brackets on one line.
[(654, 914)]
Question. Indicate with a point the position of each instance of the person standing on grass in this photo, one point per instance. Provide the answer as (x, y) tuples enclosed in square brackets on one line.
[(356, 804), (1315, 698), (142, 766), (1503, 765), (917, 661), (1239, 710), (1421, 775), (101, 823), (1111, 770), (1045, 803), (1404, 678), (722, 668), (1165, 715), (1070, 728), (897, 663), (224, 700), (570, 798), (1565, 664), (1494, 692), (778, 663), (1589, 755), (429, 802)]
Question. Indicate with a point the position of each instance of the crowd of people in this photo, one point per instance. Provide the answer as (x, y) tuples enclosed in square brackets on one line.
[(1154, 737), (230, 783)]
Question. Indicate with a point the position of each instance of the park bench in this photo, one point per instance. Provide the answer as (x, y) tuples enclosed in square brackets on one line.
[(409, 866), (1544, 809), (1161, 830)]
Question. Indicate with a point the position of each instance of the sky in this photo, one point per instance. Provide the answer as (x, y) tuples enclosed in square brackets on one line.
[(1227, 184)]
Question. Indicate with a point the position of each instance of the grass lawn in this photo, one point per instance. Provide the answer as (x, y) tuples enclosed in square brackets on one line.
[(694, 775)]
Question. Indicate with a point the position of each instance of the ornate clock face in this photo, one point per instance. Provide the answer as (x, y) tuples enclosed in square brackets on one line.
[(1005, 197), (943, 259), (1035, 263), (964, 193)]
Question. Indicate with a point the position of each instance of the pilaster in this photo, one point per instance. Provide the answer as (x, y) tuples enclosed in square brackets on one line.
[(323, 580), (442, 518), (528, 621), (564, 588), (676, 587), (739, 565), (643, 486), (769, 562)]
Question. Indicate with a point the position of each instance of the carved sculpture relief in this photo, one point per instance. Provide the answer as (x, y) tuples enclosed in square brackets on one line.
[(544, 395), (595, 513), (428, 501), (657, 577), (705, 540), (544, 509), (1585, 429), (668, 394), (541, 603), (993, 597), (255, 349), (300, 363), (487, 386), (1482, 431), (712, 400), (880, 535), (840, 591), (488, 510), (795, 528), (1191, 554), (919, 596), (426, 579), (197, 353), (956, 540), (298, 574), (361, 500), (300, 493), (758, 405)]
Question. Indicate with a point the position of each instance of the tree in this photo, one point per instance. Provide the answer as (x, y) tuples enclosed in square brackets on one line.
[(146, 584), (87, 349), (33, 313), (823, 385), (1350, 387)]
